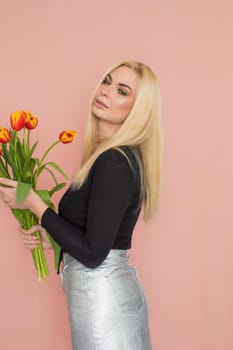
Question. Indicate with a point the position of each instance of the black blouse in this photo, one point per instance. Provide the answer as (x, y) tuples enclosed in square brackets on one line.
[(102, 213)]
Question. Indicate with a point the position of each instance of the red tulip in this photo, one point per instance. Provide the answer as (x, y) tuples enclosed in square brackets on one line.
[(67, 136), (17, 120), (31, 121), (0, 151), (5, 135)]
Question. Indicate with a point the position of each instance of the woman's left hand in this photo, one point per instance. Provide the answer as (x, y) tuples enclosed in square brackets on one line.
[(8, 194)]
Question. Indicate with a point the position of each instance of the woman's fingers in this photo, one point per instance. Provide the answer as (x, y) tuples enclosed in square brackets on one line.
[(8, 193), (8, 182), (31, 230), (29, 241)]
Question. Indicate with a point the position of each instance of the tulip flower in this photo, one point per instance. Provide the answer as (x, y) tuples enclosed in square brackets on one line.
[(31, 121), (17, 162), (17, 120), (67, 136), (5, 135)]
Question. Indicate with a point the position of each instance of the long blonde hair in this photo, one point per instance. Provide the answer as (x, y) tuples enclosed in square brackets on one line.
[(141, 130)]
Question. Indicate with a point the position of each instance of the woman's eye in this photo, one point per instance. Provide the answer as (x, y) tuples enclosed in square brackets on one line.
[(105, 82), (122, 92)]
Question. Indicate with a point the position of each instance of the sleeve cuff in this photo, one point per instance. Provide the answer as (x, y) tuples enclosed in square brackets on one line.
[(45, 216)]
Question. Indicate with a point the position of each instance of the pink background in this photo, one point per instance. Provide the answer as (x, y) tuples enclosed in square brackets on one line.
[(52, 55)]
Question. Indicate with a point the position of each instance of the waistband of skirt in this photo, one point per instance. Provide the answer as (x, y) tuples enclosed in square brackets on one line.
[(114, 255)]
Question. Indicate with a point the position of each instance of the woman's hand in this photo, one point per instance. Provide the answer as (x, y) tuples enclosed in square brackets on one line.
[(30, 241), (8, 194), (32, 202)]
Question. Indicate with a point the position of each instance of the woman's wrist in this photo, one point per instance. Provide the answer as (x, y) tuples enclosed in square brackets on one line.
[(36, 204)]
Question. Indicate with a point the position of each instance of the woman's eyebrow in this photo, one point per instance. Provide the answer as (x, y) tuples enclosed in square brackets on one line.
[(125, 85), (120, 84)]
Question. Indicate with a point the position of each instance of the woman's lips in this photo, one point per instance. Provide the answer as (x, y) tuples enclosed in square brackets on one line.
[(100, 103)]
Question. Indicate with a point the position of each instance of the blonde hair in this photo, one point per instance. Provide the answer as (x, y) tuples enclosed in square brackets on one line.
[(140, 131)]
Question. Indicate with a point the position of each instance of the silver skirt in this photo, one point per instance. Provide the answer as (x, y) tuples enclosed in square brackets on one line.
[(108, 308)]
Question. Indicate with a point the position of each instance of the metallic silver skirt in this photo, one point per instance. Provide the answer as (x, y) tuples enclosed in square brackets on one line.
[(108, 308)]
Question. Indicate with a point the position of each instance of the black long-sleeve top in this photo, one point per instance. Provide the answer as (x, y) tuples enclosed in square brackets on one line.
[(102, 213)]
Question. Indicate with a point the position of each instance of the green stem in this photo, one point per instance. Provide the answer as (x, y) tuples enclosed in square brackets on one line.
[(5, 151), (15, 143), (28, 140), (27, 220), (3, 169), (17, 161), (35, 178), (48, 150), (24, 139)]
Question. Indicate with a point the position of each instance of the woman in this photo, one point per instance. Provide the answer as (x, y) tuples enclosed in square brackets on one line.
[(120, 172)]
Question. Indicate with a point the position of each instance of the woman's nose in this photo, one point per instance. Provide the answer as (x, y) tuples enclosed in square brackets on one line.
[(105, 89)]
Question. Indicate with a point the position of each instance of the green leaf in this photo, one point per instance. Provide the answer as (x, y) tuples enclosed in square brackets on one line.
[(20, 152), (38, 171), (29, 156), (57, 251), (10, 161), (27, 177), (55, 166), (18, 213), (3, 169), (5, 151), (33, 147), (57, 188), (52, 174), (45, 196), (32, 165), (37, 160), (22, 191)]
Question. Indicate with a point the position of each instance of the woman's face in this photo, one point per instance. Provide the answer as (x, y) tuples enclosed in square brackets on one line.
[(115, 96)]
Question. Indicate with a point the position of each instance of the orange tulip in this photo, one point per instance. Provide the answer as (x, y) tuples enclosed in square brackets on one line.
[(5, 135), (67, 136), (31, 121), (17, 120)]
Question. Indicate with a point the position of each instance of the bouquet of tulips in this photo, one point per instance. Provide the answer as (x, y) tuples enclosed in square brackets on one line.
[(18, 163)]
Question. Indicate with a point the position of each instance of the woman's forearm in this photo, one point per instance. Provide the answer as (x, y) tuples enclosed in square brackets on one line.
[(36, 205)]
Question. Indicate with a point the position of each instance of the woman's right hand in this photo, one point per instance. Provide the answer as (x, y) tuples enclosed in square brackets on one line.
[(30, 241)]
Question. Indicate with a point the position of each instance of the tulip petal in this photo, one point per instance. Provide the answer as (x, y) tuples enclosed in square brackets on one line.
[(17, 120), (67, 136)]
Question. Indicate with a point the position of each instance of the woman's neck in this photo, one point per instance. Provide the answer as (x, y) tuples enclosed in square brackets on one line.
[(106, 130)]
